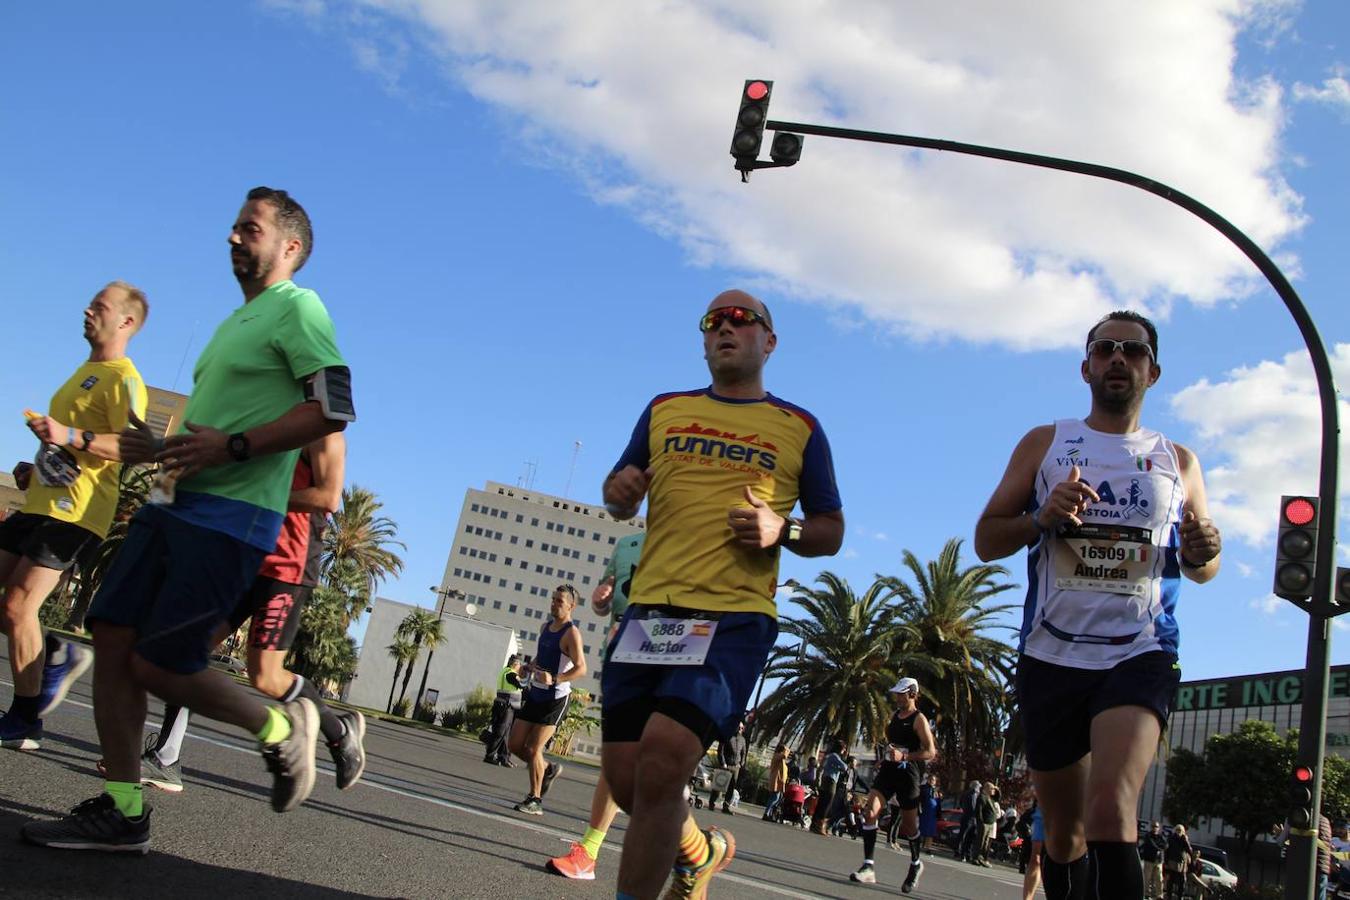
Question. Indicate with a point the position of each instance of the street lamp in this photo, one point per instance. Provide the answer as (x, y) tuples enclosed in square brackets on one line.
[(1323, 597), (440, 613)]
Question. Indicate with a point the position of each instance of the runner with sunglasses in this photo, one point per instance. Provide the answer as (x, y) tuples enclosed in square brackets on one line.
[(722, 468), (1113, 515)]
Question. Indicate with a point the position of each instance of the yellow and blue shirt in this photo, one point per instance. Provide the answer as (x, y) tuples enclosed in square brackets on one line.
[(84, 490), (703, 451)]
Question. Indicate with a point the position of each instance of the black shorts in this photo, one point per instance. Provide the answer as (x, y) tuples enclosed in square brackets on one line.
[(174, 583), (1058, 703), (49, 542), (274, 608), (548, 712), (899, 782)]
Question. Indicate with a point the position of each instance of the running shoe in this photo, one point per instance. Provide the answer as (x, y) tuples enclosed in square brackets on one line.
[(577, 864), (912, 879), (864, 875), (530, 806), (93, 825), (349, 751), (17, 733), (551, 771), (57, 677), (692, 884), (291, 761), (165, 776)]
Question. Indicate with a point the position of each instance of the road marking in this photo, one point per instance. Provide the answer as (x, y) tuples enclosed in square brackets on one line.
[(459, 807)]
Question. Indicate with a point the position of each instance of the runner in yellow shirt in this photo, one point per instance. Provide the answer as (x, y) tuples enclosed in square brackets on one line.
[(72, 487)]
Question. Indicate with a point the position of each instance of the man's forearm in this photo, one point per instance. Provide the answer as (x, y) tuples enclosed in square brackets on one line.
[(302, 424), (821, 536), (1000, 536)]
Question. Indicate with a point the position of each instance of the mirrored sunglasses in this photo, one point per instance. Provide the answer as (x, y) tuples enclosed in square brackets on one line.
[(1105, 348), (737, 315)]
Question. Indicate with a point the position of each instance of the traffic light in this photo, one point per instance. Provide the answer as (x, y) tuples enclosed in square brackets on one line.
[(1301, 798), (786, 148), (750, 120), (1296, 548), (1343, 587)]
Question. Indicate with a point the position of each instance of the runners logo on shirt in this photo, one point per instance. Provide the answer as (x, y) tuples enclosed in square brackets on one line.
[(732, 450)]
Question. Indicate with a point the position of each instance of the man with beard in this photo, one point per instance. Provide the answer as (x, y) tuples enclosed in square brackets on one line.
[(722, 468), (1113, 514), (72, 489), (270, 382)]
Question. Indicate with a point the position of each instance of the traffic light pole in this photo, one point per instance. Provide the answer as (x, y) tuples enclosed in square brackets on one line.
[(1300, 877)]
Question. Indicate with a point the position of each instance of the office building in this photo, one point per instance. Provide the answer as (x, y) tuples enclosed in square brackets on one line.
[(514, 545)]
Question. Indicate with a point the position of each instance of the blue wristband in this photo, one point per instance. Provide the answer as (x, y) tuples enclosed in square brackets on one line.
[(70, 435)]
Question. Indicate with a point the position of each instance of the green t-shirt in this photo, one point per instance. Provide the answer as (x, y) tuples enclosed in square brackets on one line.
[(622, 564), (251, 374)]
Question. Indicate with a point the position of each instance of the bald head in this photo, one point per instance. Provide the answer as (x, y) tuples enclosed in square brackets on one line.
[(735, 297)]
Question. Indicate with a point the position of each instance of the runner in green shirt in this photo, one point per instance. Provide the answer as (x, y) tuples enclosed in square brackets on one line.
[(270, 381)]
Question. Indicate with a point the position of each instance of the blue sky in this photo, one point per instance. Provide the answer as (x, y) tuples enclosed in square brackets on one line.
[(521, 210)]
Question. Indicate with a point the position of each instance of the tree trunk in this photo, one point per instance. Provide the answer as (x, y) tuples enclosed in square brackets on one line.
[(389, 707), (422, 688), (407, 677)]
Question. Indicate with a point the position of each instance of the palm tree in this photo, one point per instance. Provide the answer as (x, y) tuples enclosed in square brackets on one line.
[(357, 554), (404, 652), (420, 626), (838, 687), (434, 637), (133, 489), (323, 651), (963, 669)]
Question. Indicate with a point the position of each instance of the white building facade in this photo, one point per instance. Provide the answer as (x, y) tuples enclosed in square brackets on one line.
[(513, 546), (473, 654)]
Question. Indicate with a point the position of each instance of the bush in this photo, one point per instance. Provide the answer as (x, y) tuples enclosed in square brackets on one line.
[(478, 709), (425, 712), (401, 708), (453, 718)]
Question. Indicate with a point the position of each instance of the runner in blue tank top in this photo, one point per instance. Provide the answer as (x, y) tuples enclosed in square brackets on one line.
[(559, 661), (1112, 515)]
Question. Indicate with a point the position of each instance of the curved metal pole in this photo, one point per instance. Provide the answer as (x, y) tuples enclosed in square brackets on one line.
[(1312, 731)]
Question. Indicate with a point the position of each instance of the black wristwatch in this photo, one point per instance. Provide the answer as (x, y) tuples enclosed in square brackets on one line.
[(791, 533), (237, 447), (88, 438)]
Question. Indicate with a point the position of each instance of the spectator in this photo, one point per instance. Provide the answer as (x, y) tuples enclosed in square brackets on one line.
[(987, 814), (969, 829), (1324, 860), (809, 776), (1151, 850), (778, 779), (833, 774), (794, 770), (730, 756), (930, 800), (1176, 860), (1031, 849)]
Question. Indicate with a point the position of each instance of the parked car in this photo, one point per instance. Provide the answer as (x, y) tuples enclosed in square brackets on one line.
[(1213, 874), (229, 664), (1213, 854)]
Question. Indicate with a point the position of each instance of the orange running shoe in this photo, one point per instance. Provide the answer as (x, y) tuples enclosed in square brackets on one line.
[(576, 864)]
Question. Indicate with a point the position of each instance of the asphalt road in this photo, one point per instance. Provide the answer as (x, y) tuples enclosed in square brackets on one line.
[(429, 819)]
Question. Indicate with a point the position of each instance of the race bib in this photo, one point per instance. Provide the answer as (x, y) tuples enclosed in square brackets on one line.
[(56, 467), (665, 642), (1113, 559)]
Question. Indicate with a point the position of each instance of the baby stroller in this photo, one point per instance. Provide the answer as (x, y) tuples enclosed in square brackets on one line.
[(792, 810)]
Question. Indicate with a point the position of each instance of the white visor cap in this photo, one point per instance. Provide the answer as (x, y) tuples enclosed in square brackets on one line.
[(904, 686)]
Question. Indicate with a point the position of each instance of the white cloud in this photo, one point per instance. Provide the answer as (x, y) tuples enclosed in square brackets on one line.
[(850, 553), (1268, 605), (637, 101), (1333, 91), (1259, 434), (1245, 570)]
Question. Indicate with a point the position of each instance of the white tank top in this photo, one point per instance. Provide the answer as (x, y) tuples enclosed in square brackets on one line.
[(1105, 591)]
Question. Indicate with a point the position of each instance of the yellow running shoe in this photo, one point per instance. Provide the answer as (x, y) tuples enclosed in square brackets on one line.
[(692, 884)]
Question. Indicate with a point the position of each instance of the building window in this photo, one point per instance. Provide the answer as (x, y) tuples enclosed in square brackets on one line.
[(524, 564), (534, 523), (590, 626), (511, 608), (475, 507), (585, 579), (468, 529), (519, 585), (501, 582), (496, 604), (529, 543), (463, 550), (508, 561), (457, 573), (611, 540), (590, 557), (519, 517), (515, 539)]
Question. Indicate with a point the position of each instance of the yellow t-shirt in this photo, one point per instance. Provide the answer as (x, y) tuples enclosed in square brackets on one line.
[(69, 484), (704, 450)]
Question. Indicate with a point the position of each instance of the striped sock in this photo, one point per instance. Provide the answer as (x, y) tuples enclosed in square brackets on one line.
[(694, 849)]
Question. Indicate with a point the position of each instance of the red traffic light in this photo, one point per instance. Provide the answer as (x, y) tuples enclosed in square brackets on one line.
[(756, 90), (1304, 774), (1299, 511)]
